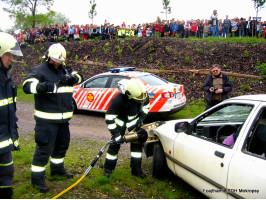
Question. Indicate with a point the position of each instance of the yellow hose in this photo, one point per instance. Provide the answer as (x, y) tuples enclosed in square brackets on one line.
[(69, 188)]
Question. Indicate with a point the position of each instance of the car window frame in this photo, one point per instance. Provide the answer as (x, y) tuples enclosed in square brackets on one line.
[(115, 76), (193, 124), (251, 133), (94, 78)]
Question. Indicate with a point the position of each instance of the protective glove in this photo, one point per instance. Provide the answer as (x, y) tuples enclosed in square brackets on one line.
[(16, 148), (138, 125), (45, 87), (117, 138), (142, 135), (68, 79)]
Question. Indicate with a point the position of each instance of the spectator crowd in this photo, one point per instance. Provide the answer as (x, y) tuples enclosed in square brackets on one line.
[(237, 27)]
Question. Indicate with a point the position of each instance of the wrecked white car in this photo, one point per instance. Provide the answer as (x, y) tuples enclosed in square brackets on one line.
[(221, 152)]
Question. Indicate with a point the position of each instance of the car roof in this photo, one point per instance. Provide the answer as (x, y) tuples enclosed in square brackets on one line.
[(127, 73), (257, 97)]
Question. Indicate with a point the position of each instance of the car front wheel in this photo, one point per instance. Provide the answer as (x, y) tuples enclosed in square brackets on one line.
[(159, 166)]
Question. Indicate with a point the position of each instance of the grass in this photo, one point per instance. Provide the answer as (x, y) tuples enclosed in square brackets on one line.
[(121, 184)]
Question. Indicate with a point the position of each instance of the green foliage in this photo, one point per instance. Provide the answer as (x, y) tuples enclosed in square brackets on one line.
[(187, 60), (109, 64), (85, 67), (94, 50), (246, 53), (225, 67), (232, 78), (76, 57), (245, 87), (167, 48), (134, 62), (24, 97), (191, 110), (151, 49), (200, 85), (92, 13), (151, 59), (68, 53), (171, 79), (262, 68), (119, 50)]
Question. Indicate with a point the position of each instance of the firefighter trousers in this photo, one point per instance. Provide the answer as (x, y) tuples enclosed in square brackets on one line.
[(112, 155), (52, 139), (6, 173)]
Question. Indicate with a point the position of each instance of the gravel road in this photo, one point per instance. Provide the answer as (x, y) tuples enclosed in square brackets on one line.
[(88, 125)]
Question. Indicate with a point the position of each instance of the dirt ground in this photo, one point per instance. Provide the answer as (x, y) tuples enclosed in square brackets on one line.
[(159, 54)]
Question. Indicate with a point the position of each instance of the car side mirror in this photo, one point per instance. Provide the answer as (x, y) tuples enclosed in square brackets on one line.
[(182, 127)]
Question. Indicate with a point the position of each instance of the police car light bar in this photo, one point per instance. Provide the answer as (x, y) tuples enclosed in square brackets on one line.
[(122, 69)]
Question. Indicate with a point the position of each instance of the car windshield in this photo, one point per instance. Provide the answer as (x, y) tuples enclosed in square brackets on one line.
[(153, 80), (232, 112)]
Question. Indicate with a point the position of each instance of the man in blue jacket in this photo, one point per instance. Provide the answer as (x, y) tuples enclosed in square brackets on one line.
[(8, 123), (217, 86)]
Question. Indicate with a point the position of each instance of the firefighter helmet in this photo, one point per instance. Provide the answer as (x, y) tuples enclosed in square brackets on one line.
[(9, 44), (133, 88), (57, 53)]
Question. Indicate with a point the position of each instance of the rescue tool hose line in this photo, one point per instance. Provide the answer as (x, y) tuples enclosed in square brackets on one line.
[(86, 172)]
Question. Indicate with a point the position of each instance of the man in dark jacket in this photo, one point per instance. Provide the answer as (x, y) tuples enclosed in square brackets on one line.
[(127, 110), (8, 123), (52, 85), (217, 86)]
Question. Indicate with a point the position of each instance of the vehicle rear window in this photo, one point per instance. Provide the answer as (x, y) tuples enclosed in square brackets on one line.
[(153, 80)]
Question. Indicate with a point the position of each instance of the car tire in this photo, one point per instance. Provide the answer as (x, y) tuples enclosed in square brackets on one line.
[(159, 166)]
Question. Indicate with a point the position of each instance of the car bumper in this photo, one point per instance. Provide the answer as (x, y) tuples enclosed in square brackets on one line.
[(172, 111)]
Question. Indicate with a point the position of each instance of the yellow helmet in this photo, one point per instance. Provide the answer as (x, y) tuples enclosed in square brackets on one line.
[(57, 53), (9, 44), (133, 88)]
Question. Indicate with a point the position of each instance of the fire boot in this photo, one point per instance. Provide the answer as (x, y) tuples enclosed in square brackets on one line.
[(59, 169), (6, 193), (38, 181), (136, 171), (107, 172)]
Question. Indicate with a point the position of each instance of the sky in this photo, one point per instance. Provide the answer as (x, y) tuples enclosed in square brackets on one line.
[(141, 11)]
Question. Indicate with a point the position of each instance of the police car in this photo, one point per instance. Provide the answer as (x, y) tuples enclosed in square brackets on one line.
[(96, 93)]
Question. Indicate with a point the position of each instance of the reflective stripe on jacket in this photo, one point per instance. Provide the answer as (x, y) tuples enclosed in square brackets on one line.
[(8, 122), (51, 107), (124, 113)]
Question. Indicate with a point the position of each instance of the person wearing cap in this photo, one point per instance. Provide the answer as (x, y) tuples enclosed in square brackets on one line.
[(217, 86), (52, 85), (8, 122), (127, 110)]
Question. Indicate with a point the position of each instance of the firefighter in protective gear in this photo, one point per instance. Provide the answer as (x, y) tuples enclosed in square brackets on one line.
[(127, 110), (52, 85), (8, 122)]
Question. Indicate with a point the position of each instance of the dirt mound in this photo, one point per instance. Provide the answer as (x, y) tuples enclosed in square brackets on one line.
[(160, 54)]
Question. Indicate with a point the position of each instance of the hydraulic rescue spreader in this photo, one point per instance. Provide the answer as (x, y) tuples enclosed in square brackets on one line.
[(132, 136)]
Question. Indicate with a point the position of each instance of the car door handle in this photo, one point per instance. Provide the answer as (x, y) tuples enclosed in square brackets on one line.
[(219, 154)]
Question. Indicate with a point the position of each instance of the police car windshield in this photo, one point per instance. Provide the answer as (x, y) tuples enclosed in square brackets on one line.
[(153, 80)]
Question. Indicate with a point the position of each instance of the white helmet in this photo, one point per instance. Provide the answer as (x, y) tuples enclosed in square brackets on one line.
[(57, 53), (133, 88), (9, 44)]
